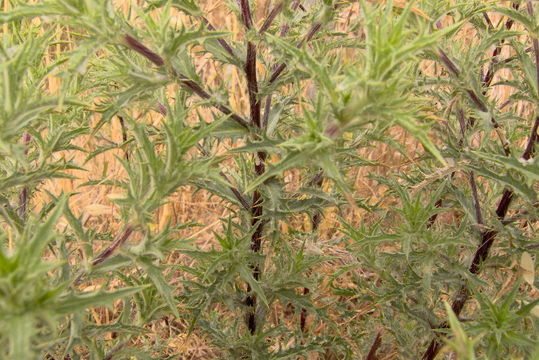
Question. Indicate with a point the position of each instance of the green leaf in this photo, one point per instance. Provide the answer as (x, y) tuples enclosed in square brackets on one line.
[(515, 184), (528, 168), (75, 303), (33, 249), (160, 284), (188, 6), (22, 12), (291, 160), (517, 16), (419, 133), (246, 275)]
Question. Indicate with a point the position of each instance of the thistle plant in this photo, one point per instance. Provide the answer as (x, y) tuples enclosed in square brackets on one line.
[(437, 261)]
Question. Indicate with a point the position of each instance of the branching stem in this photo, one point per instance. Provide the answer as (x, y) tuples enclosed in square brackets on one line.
[(118, 241), (224, 44), (257, 209), (488, 235), (187, 83)]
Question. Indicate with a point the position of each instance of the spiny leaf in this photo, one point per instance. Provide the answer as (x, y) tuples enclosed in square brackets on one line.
[(247, 276), (75, 303), (515, 184), (160, 284), (291, 160), (528, 168)]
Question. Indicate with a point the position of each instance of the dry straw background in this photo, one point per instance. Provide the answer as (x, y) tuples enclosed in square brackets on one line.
[(100, 214)]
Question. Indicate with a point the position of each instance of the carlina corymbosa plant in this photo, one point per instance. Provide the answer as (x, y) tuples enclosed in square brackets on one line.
[(269, 179)]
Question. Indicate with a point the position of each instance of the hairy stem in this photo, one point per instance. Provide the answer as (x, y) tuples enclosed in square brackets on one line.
[(224, 44), (474, 98), (481, 253), (23, 196), (239, 196), (124, 135), (187, 83), (471, 174), (489, 76), (453, 69), (272, 15), (118, 241), (257, 209), (315, 223), (284, 31), (487, 239), (281, 67), (487, 236)]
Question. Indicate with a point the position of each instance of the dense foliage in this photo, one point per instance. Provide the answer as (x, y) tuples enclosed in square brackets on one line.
[(441, 263)]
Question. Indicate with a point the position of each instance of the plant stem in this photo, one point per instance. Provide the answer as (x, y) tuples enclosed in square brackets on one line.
[(224, 44), (477, 204), (252, 84), (481, 253), (23, 196), (110, 354), (315, 223), (471, 174), (489, 76), (118, 241), (474, 98), (243, 201), (374, 348), (535, 42), (286, 27), (310, 34), (124, 135), (453, 69), (284, 31), (187, 83), (257, 209), (239, 196), (273, 14), (198, 90), (487, 239), (318, 179), (143, 50), (488, 235)]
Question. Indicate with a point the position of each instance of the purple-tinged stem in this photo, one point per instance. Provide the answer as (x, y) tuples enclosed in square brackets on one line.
[(143, 50), (374, 348), (118, 241), (23, 196), (224, 44), (272, 15), (257, 209), (488, 235)]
